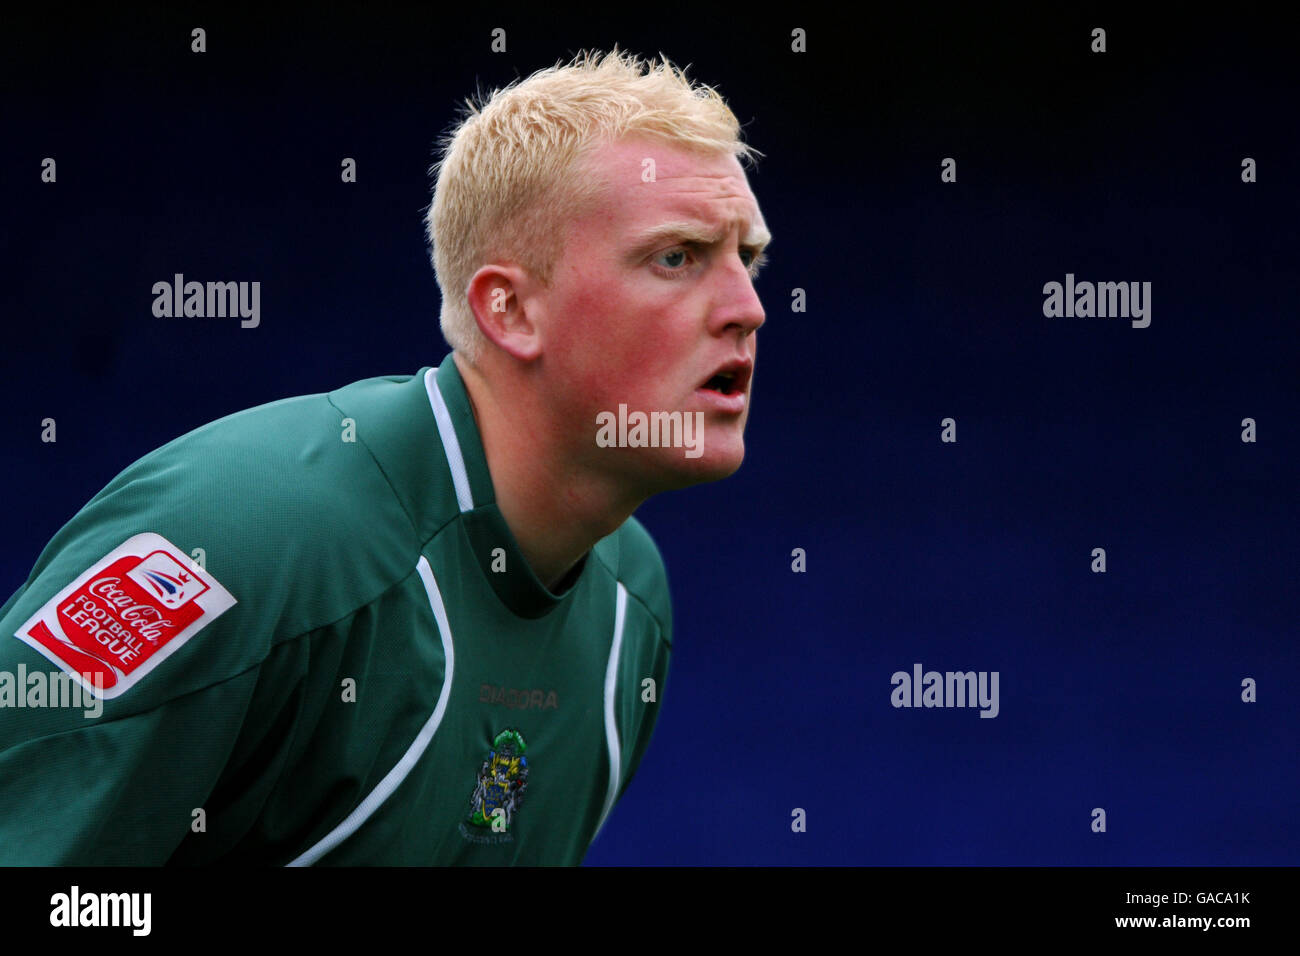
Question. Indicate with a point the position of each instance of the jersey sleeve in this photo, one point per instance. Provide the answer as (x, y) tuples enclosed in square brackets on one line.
[(114, 791), (201, 691), (92, 779), (642, 711), (648, 631)]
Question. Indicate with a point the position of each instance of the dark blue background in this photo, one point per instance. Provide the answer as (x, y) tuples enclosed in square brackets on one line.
[(1118, 690)]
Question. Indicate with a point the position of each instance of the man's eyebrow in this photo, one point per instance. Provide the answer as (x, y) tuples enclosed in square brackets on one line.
[(694, 232)]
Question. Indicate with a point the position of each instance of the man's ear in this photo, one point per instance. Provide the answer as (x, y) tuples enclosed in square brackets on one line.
[(495, 296)]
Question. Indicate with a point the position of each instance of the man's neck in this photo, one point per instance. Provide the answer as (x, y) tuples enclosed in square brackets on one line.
[(555, 510)]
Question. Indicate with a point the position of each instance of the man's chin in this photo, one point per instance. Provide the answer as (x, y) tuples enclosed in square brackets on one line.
[(649, 462), (679, 468)]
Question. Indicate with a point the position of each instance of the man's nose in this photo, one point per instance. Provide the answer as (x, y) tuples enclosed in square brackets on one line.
[(736, 304)]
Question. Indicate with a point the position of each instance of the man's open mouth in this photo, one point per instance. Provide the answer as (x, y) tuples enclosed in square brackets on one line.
[(723, 382), (731, 379)]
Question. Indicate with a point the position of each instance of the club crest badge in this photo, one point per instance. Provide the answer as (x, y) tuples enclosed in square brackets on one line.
[(502, 780)]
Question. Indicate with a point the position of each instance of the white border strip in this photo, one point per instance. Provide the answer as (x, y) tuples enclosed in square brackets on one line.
[(450, 443), (403, 767), (611, 685)]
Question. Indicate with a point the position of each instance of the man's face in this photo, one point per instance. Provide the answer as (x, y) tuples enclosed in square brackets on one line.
[(652, 306)]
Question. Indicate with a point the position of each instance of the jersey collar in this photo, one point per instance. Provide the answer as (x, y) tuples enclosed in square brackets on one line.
[(517, 586)]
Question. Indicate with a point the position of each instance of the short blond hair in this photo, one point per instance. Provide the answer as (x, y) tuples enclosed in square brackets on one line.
[(509, 179)]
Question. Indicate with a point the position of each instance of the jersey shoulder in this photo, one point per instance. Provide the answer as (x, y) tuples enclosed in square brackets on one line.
[(279, 505), (632, 556)]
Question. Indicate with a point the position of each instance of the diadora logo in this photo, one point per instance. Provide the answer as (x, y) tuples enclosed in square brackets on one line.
[(120, 619), (517, 698)]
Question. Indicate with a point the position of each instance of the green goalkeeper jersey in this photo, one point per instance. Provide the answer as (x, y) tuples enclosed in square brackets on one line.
[(304, 633)]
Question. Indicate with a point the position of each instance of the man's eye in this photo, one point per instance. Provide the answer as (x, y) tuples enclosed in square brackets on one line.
[(664, 256)]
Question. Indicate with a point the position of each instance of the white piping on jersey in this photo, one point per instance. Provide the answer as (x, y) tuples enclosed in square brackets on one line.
[(403, 767), (611, 685), (450, 443)]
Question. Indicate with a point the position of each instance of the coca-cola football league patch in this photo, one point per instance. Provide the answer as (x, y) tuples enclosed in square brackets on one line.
[(133, 609)]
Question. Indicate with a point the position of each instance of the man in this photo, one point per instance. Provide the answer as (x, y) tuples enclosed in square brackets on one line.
[(412, 621)]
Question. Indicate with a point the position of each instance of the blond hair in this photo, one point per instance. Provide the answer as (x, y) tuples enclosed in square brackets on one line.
[(509, 178)]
